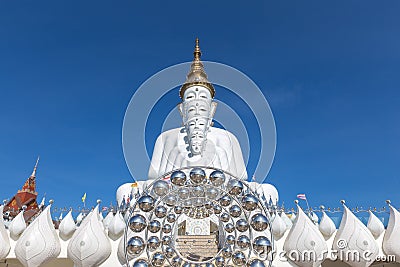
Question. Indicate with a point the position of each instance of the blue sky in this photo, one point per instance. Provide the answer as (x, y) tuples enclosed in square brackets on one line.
[(329, 70)]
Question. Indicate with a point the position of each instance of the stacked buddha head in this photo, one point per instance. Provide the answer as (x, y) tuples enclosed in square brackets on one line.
[(197, 108)]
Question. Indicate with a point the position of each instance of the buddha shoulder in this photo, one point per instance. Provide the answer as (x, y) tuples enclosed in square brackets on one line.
[(170, 135), (221, 136)]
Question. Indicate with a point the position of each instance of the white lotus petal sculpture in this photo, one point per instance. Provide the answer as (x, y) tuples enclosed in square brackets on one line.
[(326, 226), (89, 245), (278, 226), (293, 216), (286, 220), (79, 218), (17, 226), (39, 243), (116, 227), (107, 219), (4, 240), (354, 238), (67, 227), (305, 239), (390, 243), (375, 225)]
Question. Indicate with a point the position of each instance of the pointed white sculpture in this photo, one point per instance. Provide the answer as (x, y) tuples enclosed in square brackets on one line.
[(67, 227), (353, 238), (17, 226), (107, 219), (305, 240), (293, 216), (326, 226), (278, 226), (79, 218), (101, 218), (286, 220), (375, 225), (314, 217), (116, 227), (89, 246), (39, 243), (390, 243), (4, 240)]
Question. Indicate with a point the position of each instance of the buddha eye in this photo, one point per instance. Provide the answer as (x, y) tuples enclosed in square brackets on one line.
[(190, 95)]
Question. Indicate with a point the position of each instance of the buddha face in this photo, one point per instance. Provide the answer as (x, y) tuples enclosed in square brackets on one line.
[(197, 142), (197, 92), (197, 110)]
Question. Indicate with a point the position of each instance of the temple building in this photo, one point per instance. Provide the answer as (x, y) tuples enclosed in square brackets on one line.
[(24, 199)]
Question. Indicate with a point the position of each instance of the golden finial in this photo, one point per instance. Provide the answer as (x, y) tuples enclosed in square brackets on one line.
[(197, 51), (197, 75)]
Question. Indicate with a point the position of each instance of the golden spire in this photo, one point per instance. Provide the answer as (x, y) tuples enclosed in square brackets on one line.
[(197, 52), (197, 75)]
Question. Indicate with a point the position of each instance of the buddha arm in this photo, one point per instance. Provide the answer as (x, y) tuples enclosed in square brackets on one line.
[(156, 158), (238, 159)]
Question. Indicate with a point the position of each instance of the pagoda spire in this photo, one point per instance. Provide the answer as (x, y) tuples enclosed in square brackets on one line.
[(30, 183), (35, 168)]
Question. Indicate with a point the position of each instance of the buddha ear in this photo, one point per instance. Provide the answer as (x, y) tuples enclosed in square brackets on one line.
[(213, 109), (180, 108)]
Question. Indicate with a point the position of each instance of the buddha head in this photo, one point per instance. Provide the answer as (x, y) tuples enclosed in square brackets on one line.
[(197, 108)]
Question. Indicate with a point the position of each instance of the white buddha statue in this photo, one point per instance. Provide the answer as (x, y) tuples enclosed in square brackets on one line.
[(197, 143)]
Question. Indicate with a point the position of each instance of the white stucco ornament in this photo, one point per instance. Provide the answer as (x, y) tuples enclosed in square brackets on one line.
[(326, 226), (293, 216), (278, 226), (89, 246), (286, 220), (39, 243), (390, 243), (17, 226), (353, 236), (101, 218), (375, 225), (67, 227), (79, 218), (116, 227), (4, 240), (305, 237), (314, 218), (107, 219)]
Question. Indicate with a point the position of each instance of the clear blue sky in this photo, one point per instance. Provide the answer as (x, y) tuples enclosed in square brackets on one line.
[(329, 69)]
